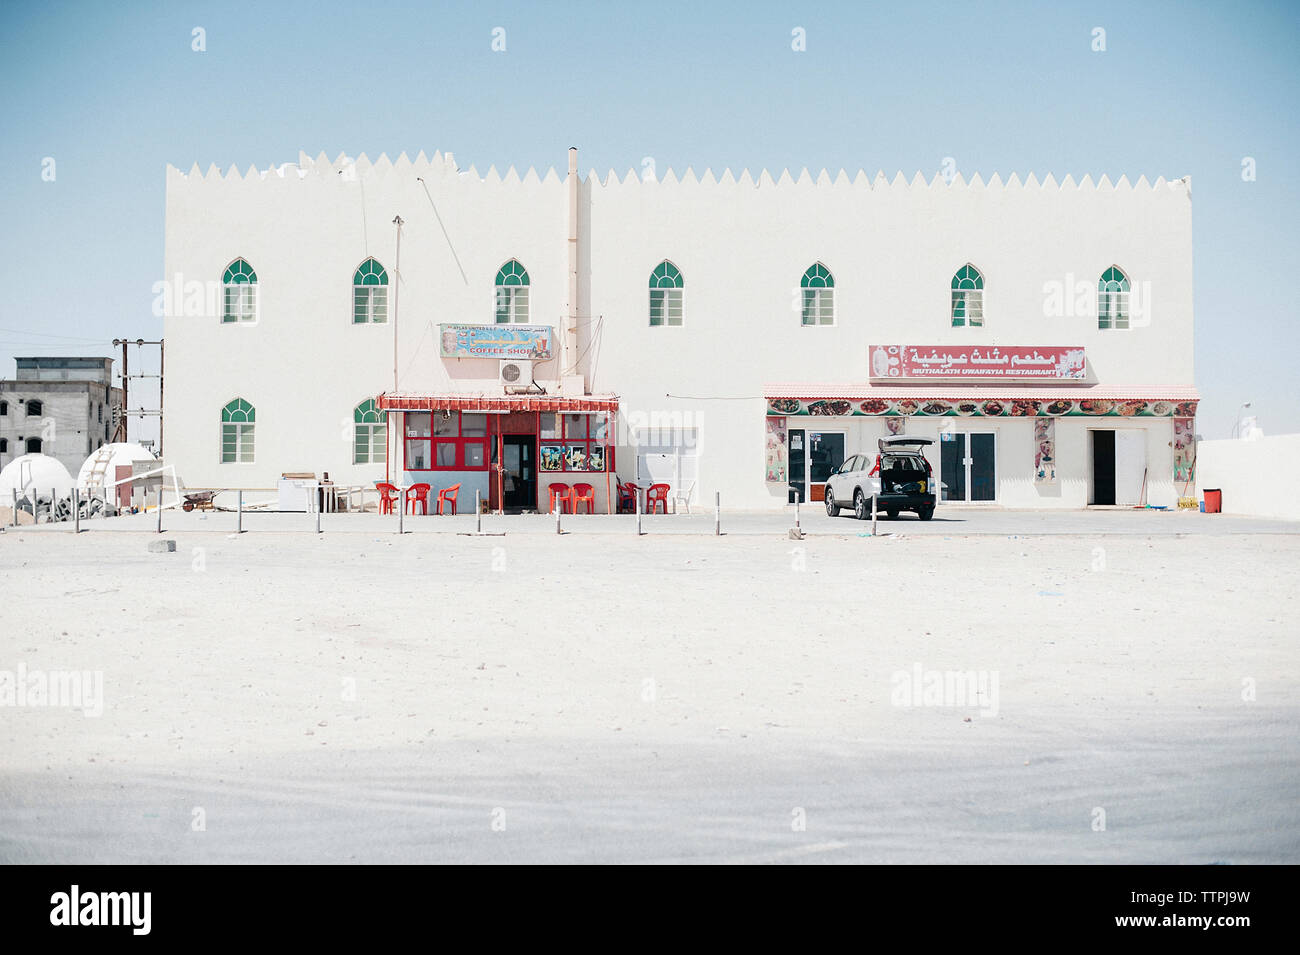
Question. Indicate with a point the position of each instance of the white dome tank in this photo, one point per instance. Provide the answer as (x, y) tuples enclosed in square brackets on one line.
[(100, 469), (33, 471)]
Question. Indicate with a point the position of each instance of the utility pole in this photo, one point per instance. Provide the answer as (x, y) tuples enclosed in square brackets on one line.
[(120, 433)]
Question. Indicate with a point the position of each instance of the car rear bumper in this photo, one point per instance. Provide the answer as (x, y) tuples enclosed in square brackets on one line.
[(905, 502)]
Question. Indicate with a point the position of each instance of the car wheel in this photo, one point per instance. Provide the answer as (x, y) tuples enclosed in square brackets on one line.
[(926, 512), (832, 509), (892, 515), (861, 509)]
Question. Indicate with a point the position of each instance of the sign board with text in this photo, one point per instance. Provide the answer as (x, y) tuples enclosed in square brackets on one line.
[(1028, 362), (497, 341)]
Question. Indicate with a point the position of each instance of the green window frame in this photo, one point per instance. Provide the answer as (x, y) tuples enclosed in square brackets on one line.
[(238, 419), (239, 293), (370, 294), (512, 285), (968, 297), (1113, 299), (667, 295), (817, 290), (370, 434)]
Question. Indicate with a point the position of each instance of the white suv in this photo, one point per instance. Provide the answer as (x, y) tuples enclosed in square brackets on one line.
[(899, 478)]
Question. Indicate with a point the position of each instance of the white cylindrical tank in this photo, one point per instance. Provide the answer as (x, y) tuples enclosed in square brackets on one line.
[(100, 469), (33, 472)]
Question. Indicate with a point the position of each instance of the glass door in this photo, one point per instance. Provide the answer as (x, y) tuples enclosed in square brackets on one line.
[(825, 455), (983, 467), (952, 465), (520, 477), (968, 466), (798, 441)]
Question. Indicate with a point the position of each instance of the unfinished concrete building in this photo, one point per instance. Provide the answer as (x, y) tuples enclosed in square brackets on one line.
[(60, 406)]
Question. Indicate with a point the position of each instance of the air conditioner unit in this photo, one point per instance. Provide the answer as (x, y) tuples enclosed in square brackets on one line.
[(516, 374)]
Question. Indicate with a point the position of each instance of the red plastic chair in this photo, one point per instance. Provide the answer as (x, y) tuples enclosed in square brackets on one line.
[(418, 494), (387, 496), (584, 494), (656, 494), (448, 496), (564, 494), (627, 497)]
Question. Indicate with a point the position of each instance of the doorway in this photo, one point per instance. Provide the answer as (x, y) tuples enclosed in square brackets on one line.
[(1118, 466), (1103, 467), (814, 456), (519, 477), (968, 466)]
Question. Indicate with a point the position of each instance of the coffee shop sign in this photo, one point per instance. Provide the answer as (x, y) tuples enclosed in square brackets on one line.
[(497, 341)]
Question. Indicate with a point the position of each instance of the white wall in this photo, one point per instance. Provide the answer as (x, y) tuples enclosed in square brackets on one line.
[(1256, 476), (742, 247)]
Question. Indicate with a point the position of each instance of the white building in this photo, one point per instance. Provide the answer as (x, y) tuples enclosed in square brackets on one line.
[(747, 333)]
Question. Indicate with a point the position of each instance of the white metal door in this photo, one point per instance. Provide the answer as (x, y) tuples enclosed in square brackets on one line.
[(1130, 466)]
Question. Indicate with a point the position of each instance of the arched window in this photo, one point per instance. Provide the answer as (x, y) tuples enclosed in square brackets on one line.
[(239, 285), (370, 294), (1112, 299), (4, 445), (370, 437), (237, 422), (33, 445), (35, 409), (666, 291), (967, 297), (818, 292), (512, 293), (4, 408)]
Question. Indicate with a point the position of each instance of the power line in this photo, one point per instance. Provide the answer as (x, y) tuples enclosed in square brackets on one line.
[(72, 338)]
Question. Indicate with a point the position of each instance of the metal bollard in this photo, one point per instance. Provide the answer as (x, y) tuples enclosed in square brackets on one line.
[(239, 512), (15, 502), (401, 512), (478, 513), (717, 514), (76, 512), (54, 496), (158, 506), (558, 508), (320, 506), (873, 515), (796, 512), (637, 498)]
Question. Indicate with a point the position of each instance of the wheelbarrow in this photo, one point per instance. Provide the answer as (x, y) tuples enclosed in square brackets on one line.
[(202, 501)]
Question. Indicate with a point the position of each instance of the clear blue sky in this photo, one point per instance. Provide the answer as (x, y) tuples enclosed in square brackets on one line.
[(113, 92)]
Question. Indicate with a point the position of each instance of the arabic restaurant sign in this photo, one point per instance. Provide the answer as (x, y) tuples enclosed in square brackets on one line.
[(1052, 362), (497, 341)]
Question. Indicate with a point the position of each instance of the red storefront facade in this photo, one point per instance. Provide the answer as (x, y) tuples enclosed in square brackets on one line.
[(510, 448)]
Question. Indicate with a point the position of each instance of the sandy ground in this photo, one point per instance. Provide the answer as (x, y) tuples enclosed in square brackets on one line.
[(602, 697)]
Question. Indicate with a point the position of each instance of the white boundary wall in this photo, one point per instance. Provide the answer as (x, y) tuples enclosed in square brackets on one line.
[(1254, 475)]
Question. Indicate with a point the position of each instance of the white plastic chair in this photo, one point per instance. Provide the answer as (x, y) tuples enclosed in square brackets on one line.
[(683, 497)]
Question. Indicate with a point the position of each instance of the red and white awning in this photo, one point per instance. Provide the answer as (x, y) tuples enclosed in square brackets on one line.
[(462, 401)]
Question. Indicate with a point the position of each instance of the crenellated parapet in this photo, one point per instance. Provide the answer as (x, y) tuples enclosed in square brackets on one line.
[(442, 166)]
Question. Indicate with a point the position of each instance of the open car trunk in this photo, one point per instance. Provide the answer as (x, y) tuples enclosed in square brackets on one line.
[(902, 475)]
